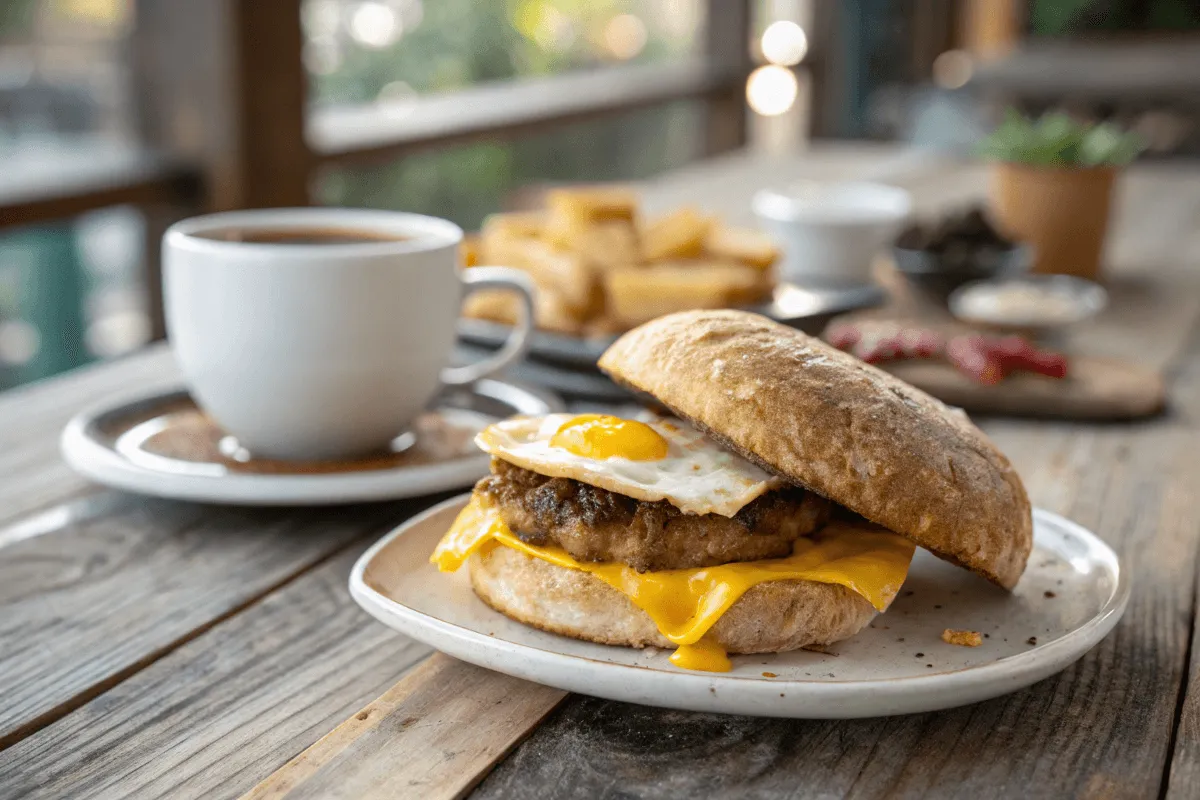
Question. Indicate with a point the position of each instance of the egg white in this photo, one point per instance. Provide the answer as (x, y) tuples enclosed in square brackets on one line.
[(698, 476)]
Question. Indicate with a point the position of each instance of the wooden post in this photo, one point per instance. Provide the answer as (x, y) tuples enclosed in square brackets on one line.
[(991, 28), (727, 52), (223, 82), (271, 98), (826, 66)]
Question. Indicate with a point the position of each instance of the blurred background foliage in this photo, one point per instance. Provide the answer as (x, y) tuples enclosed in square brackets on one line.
[(360, 52), (390, 53)]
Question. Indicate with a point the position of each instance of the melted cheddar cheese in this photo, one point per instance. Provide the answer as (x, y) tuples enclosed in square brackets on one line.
[(685, 603)]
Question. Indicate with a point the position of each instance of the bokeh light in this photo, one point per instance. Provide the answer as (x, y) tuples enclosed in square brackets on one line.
[(771, 90), (375, 25), (784, 43), (411, 14), (117, 333), (678, 18), (321, 17), (19, 342), (322, 55), (397, 98), (625, 36), (544, 25), (952, 69)]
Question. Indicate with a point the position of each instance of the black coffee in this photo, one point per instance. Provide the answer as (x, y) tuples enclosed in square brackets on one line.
[(300, 235)]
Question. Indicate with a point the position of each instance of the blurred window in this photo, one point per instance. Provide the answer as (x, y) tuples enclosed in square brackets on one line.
[(468, 182), (70, 291), (63, 71), (389, 51)]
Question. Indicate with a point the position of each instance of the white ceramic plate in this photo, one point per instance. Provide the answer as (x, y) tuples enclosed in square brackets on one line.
[(107, 444), (1071, 596)]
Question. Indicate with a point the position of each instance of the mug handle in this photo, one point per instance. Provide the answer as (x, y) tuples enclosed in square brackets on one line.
[(514, 348)]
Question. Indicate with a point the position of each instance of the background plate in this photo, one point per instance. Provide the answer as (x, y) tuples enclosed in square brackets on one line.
[(1072, 594)]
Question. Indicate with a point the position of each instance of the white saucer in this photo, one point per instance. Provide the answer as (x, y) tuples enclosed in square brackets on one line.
[(1072, 594), (160, 444)]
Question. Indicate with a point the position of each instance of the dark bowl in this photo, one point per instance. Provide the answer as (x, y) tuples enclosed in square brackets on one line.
[(935, 275)]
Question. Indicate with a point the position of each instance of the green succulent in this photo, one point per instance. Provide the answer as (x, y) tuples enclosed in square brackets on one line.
[(1057, 140)]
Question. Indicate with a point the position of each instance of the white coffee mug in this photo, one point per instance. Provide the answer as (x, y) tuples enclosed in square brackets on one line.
[(323, 350)]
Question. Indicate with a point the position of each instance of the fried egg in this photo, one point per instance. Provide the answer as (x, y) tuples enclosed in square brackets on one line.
[(656, 459)]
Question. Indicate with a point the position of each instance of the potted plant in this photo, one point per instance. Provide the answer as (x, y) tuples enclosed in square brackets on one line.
[(1053, 184)]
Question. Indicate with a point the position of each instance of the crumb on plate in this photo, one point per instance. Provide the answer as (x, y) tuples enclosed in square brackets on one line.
[(962, 638)]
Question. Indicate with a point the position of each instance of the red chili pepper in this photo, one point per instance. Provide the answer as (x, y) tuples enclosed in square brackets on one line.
[(1020, 355), (1052, 365), (1010, 346), (843, 337), (986, 359), (970, 355)]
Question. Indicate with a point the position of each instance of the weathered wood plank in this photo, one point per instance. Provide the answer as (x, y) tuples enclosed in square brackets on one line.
[(433, 735), (219, 714), (1183, 781), (1184, 778), (1102, 728), (96, 588), (32, 417)]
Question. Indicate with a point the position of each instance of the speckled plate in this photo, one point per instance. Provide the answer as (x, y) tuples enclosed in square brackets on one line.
[(1071, 596), (160, 443)]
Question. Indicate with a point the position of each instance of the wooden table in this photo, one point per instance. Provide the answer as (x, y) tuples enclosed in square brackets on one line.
[(151, 648)]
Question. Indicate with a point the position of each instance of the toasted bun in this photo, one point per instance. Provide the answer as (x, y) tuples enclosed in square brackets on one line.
[(770, 618), (846, 430)]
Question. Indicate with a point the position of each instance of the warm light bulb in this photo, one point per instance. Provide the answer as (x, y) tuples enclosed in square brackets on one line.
[(771, 90), (375, 25), (952, 69), (784, 43), (625, 36)]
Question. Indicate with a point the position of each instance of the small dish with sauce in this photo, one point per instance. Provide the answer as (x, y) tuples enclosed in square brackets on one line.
[(1029, 303)]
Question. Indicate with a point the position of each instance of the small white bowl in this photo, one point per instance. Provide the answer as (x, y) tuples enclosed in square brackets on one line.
[(830, 233), (1030, 302)]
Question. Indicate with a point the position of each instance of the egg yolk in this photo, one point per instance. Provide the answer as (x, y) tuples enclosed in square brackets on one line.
[(600, 436)]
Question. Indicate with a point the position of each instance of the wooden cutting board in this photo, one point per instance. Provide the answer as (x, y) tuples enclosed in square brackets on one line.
[(1095, 389)]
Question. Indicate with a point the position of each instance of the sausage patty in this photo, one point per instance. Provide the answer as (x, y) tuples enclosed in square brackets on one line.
[(594, 524)]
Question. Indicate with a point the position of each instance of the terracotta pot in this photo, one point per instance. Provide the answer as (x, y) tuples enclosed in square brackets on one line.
[(1062, 212)]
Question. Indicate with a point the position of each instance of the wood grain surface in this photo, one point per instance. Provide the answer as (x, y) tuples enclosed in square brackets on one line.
[(1184, 777), (152, 649), (220, 713), (32, 475), (433, 735), (108, 583)]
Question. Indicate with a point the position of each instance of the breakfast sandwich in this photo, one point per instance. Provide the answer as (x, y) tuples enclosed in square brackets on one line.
[(777, 507)]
